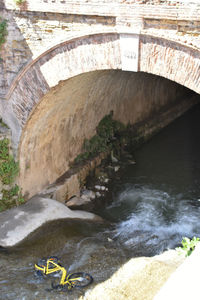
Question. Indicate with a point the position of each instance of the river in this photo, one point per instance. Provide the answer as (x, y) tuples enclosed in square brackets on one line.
[(149, 207)]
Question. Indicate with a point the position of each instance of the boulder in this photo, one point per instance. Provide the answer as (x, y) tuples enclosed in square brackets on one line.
[(17, 223)]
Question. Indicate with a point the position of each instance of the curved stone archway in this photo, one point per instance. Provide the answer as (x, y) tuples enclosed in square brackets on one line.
[(70, 112), (66, 60), (60, 97), (100, 51), (171, 60)]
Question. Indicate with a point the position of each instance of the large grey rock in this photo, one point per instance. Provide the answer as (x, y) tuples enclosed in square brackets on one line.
[(17, 223)]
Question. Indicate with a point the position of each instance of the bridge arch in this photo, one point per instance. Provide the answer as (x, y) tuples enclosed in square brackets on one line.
[(58, 75)]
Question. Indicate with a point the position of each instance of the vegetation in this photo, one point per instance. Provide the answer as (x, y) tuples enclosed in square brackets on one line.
[(10, 196), (8, 166), (110, 134), (188, 245), (3, 31), (2, 124), (19, 2)]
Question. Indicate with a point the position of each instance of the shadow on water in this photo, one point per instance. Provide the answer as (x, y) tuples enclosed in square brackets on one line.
[(157, 199)]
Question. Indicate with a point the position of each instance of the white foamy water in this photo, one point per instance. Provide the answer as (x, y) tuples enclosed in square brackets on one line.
[(158, 220)]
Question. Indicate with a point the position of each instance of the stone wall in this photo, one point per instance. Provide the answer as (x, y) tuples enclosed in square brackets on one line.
[(51, 43), (167, 59), (40, 24), (92, 52), (32, 33)]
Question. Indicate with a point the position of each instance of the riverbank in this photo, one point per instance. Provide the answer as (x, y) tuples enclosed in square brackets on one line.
[(162, 277), (139, 279)]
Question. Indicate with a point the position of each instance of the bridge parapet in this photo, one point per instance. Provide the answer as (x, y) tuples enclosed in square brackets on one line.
[(163, 8)]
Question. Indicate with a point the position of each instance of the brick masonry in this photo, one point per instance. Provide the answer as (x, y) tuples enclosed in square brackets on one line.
[(41, 24), (52, 41), (158, 56)]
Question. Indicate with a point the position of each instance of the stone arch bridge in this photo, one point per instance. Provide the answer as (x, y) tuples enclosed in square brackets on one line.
[(66, 64)]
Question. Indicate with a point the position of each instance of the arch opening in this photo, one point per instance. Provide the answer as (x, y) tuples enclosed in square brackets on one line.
[(71, 111)]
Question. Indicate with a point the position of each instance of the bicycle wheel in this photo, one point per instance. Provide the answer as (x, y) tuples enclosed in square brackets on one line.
[(80, 279), (57, 287), (39, 274), (42, 262)]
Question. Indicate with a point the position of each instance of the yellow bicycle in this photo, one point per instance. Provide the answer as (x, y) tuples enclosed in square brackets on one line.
[(52, 265)]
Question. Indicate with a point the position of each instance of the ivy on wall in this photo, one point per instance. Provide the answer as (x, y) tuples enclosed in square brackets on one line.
[(110, 135), (3, 31), (8, 166), (10, 193)]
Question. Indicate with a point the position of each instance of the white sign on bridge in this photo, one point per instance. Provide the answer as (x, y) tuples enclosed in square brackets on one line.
[(129, 44)]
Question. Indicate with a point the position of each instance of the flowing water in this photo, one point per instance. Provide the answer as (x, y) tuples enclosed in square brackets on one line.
[(150, 206)]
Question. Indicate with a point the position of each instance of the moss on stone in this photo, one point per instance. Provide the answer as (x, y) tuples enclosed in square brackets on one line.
[(11, 198), (2, 124), (8, 167), (10, 195), (109, 136), (3, 31), (112, 135), (19, 2)]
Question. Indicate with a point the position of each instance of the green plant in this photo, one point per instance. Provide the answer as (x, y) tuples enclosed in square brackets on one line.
[(19, 2), (3, 31), (188, 245), (108, 128), (14, 190), (20, 198), (11, 198), (8, 170), (8, 167), (109, 135), (3, 124), (4, 149)]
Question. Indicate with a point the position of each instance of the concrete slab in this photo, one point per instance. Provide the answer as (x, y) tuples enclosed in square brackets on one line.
[(184, 282), (138, 279), (17, 223)]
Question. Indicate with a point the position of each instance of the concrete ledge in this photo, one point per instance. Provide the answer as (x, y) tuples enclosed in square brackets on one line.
[(17, 223), (184, 282), (70, 183), (138, 279)]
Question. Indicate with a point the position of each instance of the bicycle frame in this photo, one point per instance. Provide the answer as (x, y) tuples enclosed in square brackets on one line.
[(56, 267), (47, 270)]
